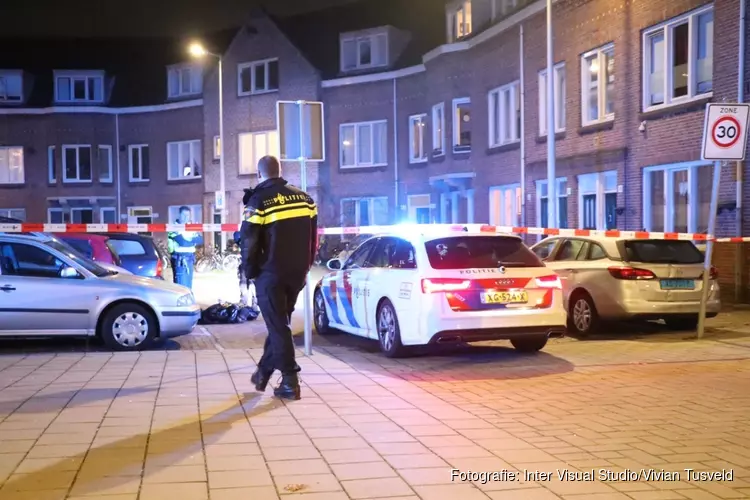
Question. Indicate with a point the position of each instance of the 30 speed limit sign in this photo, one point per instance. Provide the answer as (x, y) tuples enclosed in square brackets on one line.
[(725, 132)]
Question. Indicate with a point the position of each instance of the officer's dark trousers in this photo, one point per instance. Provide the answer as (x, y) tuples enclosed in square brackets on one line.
[(276, 298), (182, 268)]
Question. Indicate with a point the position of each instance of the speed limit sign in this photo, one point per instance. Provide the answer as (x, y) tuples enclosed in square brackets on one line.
[(725, 132)]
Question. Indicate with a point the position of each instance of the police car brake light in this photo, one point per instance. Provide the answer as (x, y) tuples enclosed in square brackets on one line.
[(438, 285), (551, 281)]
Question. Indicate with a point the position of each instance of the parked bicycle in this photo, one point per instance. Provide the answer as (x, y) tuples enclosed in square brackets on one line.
[(211, 260)]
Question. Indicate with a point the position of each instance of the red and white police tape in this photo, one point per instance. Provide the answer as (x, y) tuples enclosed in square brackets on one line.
[(213, 228)]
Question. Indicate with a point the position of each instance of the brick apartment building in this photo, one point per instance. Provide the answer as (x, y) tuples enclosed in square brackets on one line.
[(432, 114)]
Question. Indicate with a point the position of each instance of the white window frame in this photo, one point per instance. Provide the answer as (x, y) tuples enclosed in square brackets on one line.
[(498, 123), (462, 28), (253, 84), (359, 39), (217, 147), (600, 54), (665, 29), (601, 192), (669, 217), (57, 210), (74, 210), (438, 131), (75, 76), (178, 69), (357, 126), (4, 96), (357, 211), (515, 190), (139, 147), (558, 192), (169, 158), (76, 180), (107, 209), (411, 206), (105, 149), (269, 150), (559, 94), (421, 155), (23, 165), (51, 165), (7, 212), (457, 148)]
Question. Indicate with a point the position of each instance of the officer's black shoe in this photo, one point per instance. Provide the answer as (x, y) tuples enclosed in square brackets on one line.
[(289, 387), (260, 378)]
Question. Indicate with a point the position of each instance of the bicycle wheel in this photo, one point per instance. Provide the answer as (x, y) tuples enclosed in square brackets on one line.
[(203, 265), (230, 262)]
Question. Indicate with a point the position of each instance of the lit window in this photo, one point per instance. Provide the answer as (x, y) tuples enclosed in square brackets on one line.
[(459, 20), (438, 129), (254, 146), (184, 160), (462, 124), (559, 99), (11, 165), (598, 85), (504, 115), (362, 52), (417, 153)]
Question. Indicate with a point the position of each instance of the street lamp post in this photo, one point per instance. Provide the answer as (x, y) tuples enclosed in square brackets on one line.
[(197, 50)]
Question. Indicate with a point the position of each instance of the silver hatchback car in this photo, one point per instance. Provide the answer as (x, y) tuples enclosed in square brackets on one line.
[(48, 290), (620, 278)]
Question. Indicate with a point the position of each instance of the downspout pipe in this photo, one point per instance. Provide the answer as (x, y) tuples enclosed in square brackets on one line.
[(117, 167), (739, 267), (395, 154), (522, 96)]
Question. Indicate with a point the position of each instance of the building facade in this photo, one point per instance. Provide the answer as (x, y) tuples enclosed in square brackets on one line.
[(433, 115)]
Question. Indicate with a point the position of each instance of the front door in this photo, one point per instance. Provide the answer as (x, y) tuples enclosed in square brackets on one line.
[(34, 299)]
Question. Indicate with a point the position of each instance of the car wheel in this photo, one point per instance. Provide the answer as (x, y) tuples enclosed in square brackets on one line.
[(389, 332), (530, 343), (690, 323), (320, 316), (128, 327), (583, 320)]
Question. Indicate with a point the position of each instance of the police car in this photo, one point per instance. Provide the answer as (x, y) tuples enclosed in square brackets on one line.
[(431, 285)]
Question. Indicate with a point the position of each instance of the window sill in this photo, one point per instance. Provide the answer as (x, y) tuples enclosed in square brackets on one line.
[(251, 94), (139, 181), (247, 174), (79, 103), (364, 168), (184, 180), (13, 185), (461, 151), (76, 181), (542, 139), (106, 181), (184, 96), (502, 148), (417, 161), (678, 108), (437, 157), (597, 126)]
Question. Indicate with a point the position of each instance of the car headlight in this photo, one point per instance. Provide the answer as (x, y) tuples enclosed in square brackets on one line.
[(186, 300)]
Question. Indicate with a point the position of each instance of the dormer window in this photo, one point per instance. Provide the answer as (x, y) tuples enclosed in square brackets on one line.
[(363, 50), (459, 20), (79, 86), (184, 80), (11, 86), (501, 8)]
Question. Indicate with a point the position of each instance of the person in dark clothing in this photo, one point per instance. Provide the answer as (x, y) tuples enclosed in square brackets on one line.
[(278, 242)]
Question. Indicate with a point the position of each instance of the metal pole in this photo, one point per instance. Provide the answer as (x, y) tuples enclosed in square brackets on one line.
[(551, 176), (222, 179), (521, 133), (709, 248), (303, 182)]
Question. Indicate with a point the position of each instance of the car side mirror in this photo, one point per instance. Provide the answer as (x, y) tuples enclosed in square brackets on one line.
[(334, 264), (69, 273)]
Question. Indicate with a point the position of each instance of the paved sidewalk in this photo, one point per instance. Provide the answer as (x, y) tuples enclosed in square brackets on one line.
[(187, 425)]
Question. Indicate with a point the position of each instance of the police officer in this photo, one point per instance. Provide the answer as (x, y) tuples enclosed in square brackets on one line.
[(181, 246), (279, 233)]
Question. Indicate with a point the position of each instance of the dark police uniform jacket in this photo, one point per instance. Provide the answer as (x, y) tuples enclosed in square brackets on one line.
[(279, 231)]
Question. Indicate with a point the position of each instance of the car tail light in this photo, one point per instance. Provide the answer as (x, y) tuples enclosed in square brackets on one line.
[(438, 285), (159, 268), (551, 281), (630, 273), (712, 274)]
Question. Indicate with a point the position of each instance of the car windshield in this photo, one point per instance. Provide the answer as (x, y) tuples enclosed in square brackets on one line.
[(475, 252), (79, 259), (663, 252)]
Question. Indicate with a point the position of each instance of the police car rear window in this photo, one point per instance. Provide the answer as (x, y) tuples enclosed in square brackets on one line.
[(477, 252)]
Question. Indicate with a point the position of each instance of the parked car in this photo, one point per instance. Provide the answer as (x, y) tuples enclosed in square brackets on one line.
[(94, 246), (410, 288), (46, 290), (137, 253), (621, 278)]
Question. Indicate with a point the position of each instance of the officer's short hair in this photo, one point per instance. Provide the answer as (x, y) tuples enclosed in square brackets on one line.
[(184, 208), (268, 167)]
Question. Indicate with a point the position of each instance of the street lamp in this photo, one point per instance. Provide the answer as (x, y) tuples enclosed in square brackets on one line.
[(198, 50)]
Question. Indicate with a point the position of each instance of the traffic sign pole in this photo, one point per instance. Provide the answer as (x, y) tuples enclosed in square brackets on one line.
[(724, 139)]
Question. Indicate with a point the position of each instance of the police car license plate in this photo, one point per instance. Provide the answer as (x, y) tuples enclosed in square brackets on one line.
[(510, 297)]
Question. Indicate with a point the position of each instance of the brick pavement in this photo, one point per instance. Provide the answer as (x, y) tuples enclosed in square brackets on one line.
[(186, 424)]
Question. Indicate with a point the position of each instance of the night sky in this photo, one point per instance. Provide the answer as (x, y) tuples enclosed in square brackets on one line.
[(90, 18)]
